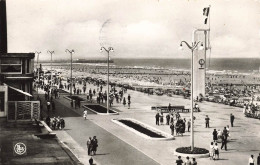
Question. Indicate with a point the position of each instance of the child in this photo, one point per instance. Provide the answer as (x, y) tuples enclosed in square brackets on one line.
[(216, 151)]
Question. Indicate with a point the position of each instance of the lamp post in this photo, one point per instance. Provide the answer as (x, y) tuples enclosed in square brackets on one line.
[(51, 52), (71, 52), (107, 50), (38, 53), (192, 47)]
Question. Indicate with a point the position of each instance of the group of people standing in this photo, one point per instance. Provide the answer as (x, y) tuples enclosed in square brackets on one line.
[(55, 123), (92, 144), (179, 161), (175, 121)]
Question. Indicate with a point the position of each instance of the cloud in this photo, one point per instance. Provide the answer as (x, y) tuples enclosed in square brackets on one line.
[(146, 28)]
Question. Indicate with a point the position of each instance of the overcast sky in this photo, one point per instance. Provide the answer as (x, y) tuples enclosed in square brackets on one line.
[(134, 28)]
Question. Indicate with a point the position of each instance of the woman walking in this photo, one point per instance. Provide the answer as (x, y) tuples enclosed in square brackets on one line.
[(85, 113), (215, 135), (216, 151), (211, 150), (124, 101)]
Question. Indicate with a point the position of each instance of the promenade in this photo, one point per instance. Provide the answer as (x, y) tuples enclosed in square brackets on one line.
[(117, 145)]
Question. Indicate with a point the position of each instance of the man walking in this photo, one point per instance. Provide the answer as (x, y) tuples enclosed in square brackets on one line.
[(251, 160), (48, 106), (168, 119), (189, 124), (232, 118), (172, 128), (157, 116), (224, 139), (207, 121), (89, 145), (258, 159)]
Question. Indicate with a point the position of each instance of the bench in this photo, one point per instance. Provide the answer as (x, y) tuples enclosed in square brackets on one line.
[(164, 109), (180, 109), (44, 129)]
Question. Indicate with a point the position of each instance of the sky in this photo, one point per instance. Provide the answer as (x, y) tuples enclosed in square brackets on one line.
[(134, 28)]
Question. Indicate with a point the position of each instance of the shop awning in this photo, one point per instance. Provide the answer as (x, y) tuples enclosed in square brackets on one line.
[(19, 90)]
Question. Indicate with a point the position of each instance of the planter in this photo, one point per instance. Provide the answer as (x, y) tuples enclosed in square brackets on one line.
[(99, 109), (196, 153), (143, 129)]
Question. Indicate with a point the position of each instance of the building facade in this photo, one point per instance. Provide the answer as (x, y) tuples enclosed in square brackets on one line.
[(16, 78)]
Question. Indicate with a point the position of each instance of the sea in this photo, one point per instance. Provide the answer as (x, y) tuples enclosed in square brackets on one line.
[(241, 65)]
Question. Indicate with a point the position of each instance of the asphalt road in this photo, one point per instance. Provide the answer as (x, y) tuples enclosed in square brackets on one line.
[(111, 150)]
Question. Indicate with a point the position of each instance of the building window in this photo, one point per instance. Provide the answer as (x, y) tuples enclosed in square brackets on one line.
[(11, 65)]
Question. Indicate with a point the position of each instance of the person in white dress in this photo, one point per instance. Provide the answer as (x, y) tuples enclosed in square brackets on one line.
[(211, 150), (216, 154), (85, 113)]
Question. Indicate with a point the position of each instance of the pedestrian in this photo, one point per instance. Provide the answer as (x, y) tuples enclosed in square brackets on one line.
[(48, 105), (172, 128), (169, 107), (251, 160), (62, 123), (48, 120), (157, 116), (215, 135), (168, 119), (54, 122), (211, 150), (224, 139), (91, 161), (194, 162), (129, 97), (232, 118), (129, 102), (89, 145), (58, 123), (124, 101), (85, 113), (179, 161), (216, 154), (188, 162), (161, 118), (94, 143), (258, 159), (189, 124), (172, 118), (207, 121)]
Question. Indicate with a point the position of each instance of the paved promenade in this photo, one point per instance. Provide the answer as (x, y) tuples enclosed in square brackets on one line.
[(117, 145)]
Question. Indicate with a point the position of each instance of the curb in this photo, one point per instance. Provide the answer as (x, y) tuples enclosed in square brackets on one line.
[(167, 136), (104, 114), (68, 151), (191, 155)]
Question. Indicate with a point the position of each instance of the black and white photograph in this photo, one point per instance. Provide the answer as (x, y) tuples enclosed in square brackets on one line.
[(123, 82)]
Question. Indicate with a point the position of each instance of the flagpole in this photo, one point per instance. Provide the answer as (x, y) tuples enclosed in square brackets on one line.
[(209, 46)]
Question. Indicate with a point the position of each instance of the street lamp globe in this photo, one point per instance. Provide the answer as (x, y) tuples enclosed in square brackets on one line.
[(201, 46), (181, 48)]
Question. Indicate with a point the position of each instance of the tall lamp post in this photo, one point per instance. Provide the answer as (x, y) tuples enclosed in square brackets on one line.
[(71, 52), (192, 47), (51, 52), (110, 49), (38, 53)]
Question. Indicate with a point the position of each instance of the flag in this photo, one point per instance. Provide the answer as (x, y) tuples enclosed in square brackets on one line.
[(206, 11), (206, 20)]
